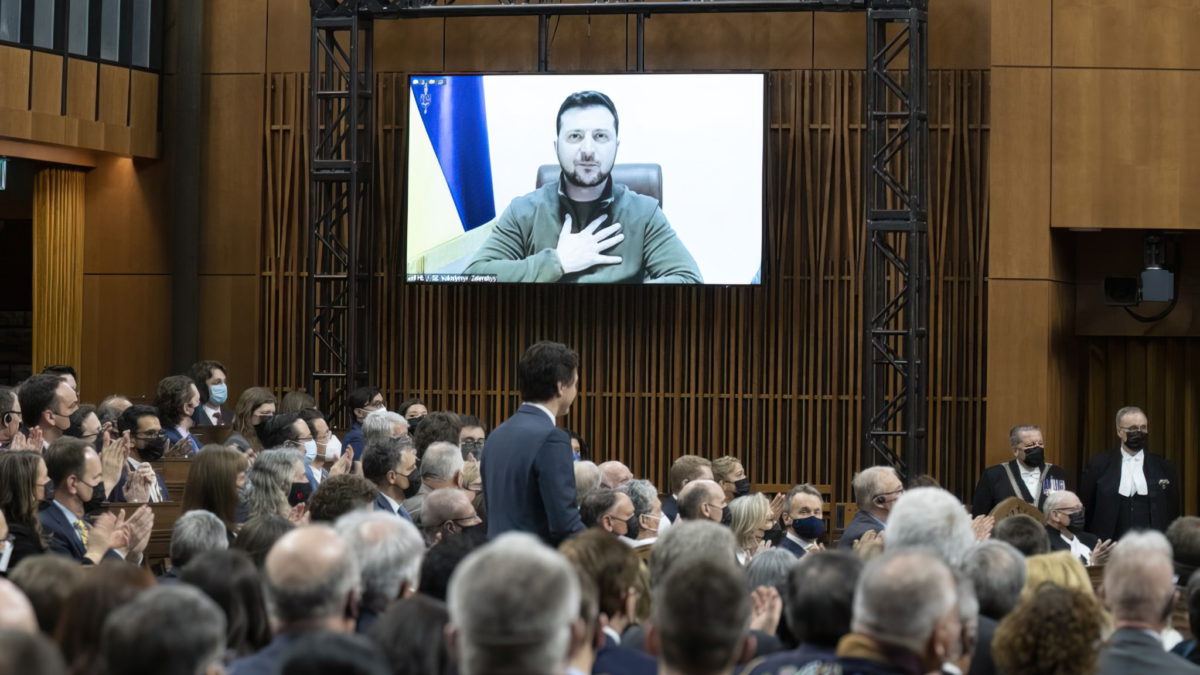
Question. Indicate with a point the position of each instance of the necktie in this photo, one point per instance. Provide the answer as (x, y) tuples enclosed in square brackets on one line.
[(217, 417), (82, 530)]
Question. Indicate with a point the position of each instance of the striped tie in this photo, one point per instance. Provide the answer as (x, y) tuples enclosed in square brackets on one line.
[(82, 530)]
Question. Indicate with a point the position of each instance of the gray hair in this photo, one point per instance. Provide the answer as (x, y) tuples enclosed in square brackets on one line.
[(931, 518), (269, 480), (167, 630), (770, 568), (512, 602), (867, 483), (442, 460), (1128, 410), (642, 493), (194, 533), (390, 551), (690, 539), (317, 598), (1138, 579), (1014, 434), (901, 596), (803, 489), (1054, 500), (377, 426), (997, 571), (587, 479)]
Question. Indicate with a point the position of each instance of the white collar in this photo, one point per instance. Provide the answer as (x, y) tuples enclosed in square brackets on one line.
[(544, 409), (392, 502), (208, 405), (795, 539), (616, 638), (133, 462), (1135, 458)]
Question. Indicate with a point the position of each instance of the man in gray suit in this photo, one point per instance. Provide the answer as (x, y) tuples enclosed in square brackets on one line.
[(876, 489), (1139, 590)]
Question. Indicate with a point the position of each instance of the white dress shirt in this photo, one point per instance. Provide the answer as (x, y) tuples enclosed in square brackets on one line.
[(1078, 549), (1032, 477), (153, 493), (803, 543), (546, 410), (392, 503), (1133, 477)]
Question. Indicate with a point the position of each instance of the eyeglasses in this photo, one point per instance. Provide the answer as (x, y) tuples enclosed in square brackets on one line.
[(150, 435), (1070, 511), (471, 443)]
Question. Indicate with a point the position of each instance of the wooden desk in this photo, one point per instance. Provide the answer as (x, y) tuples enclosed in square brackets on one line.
[(174, 472)]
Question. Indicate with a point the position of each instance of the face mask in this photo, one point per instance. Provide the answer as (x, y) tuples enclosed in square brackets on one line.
[(154, 449), (414, 486), (1077, 522), (726, 516), (218, 393), (310, 450), (1136, 440), (633, 527), (1035, 456), (741, 488), (808, 528), (333, 449), (96, 503), (298, 494)]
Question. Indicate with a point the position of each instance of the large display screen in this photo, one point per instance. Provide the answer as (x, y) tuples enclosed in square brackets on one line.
[(617, 179)]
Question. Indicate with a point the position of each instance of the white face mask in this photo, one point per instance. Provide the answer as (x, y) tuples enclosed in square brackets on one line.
[(333, 449), (310, 450), (663, 524)]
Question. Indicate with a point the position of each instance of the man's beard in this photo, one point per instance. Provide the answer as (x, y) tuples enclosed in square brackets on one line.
[(574, 179)]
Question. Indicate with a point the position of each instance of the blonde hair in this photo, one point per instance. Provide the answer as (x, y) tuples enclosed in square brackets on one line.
[(1060, 568), (470, 473), (748, 513), (722, 468)]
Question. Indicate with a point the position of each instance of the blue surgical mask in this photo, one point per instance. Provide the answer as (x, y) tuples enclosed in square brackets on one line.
[(218, 393), (310, 450)]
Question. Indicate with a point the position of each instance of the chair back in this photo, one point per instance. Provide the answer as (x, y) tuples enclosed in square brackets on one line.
[(644, 179)]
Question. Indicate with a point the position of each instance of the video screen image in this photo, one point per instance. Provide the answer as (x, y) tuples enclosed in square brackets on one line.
[(609, 179)]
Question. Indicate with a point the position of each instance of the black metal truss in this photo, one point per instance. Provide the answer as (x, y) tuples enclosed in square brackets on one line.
[(895, 176)]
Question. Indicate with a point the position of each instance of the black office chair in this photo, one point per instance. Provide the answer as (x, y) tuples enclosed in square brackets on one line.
[(644, 179)]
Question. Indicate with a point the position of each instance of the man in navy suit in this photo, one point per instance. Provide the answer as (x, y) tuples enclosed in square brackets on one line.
[(147, 444), (684, 470), (209, 377), (528, 477), (804, 520), (392, 466), (876, 490)]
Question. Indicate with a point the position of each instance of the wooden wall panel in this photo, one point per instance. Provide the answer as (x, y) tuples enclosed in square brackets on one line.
[(82, 87), (47, 94), (126, 318), (839, 40), (1124, 145), (734, 41), (415, 45), (491, 44), (584, 43), (1126, 34), (289, 27), (143, 113), (125, 203), (231, 173), (114, 95), (14, 86), (230, 320), (235, 35), (786, 392), (1021, 32)]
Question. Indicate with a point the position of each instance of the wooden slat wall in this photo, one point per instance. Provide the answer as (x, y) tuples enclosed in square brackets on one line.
[(769, 373), (57, 266)]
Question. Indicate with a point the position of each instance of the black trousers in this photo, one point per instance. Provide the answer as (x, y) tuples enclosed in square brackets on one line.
[(1133, 513)]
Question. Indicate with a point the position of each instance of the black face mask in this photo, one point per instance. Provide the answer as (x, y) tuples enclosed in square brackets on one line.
[(633, 527), (298, 494), (154, 449), (1136, 440), (1035, 456), (726, 516), (1077, 522), (741, 488), (96, 503), (414, 486)]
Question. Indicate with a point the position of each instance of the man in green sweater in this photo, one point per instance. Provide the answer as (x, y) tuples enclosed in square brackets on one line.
[(585, 228)]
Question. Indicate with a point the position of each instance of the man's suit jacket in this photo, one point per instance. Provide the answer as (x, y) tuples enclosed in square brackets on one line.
[(1057, 544), (174, 436), (861, 524), (995, 486), (529, 478), (117, 494), (670, 508), (1132, 650), (201, 418), (355, 439), (613, 659), (1102, 479), (791, 547), (64, 540), (382, 504)]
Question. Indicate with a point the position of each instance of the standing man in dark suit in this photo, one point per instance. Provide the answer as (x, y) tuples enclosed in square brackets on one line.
[(1129, 487), (528, 477), (1026, 476), (876, 490)]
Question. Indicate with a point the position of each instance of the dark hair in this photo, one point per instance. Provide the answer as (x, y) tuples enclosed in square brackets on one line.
[(610, 563), (310, 415), (65, 457), (472, 421), (587, 99), (297, 402), (382, 457), (18, 491), (28, 654), (595, 504), (360, 397), (77, 418), (412, 635), (60, 371), (172, 395), (212, 483), (585, 452), (170, 630), (403, 409), (259, 534), (1191, 596), (442, 559), (231, 580), (251, 399), (1023, 532), (37, 395), (820, 596), (923, 480), (439, 426), (1184, 536), (542, 368), (128, 421), (278, 430), (108, 586), (339, 495), (47, 579), (324, 653), (201, 371), (702, 612)]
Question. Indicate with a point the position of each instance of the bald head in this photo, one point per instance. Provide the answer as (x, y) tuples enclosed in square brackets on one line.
[(614, 474), (312, 576), (701, 500), (16, 612), (448, 507)]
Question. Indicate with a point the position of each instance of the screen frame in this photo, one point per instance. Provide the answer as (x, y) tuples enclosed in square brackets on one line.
[(763, 273)]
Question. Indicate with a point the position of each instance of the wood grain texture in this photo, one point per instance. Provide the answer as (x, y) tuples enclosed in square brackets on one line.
[(289, 27), (127, 329), (230, 320), (114, 95), (231, 173), (47, 90), (125, 202), (58, 220), (83, 83), (235, 37), (14, 85), (735, 41), (1126, 34), (1020, 32), (771, 373)]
